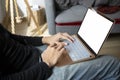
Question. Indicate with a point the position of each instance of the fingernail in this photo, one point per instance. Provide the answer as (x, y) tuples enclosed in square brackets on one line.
[(66, 43)]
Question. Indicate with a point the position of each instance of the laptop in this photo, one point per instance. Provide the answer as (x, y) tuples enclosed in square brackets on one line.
[(88, 41)]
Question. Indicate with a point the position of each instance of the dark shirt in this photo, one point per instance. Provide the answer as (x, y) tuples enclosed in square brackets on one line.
[(19, 59)]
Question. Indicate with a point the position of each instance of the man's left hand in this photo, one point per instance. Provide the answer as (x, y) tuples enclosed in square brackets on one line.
[(56, 38)]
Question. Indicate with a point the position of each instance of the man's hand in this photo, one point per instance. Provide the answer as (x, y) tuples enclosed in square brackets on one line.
[(57, 38), (52, 54)]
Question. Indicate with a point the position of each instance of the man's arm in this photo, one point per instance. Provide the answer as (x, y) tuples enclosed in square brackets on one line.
[(29, 40), (19, 62), (35, 41)]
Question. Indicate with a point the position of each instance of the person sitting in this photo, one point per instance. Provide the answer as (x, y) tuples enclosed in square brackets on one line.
[(20, 59)]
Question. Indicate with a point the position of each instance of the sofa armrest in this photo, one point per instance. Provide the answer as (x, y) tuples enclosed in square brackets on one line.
[(50, 15)]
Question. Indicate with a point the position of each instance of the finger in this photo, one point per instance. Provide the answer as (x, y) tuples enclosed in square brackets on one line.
[(61, 52), (60, 46), (70, 37), (62, 43), (53, 44), (67, 37)]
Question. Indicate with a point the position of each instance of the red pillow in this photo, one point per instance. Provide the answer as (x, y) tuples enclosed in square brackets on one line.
[(108, 9)]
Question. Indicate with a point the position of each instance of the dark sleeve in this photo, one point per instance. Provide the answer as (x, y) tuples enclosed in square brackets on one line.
[(16, 56), (21, 62), (29, 40), (38, 72)]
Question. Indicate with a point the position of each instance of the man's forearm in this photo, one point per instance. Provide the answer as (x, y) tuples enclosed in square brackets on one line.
[(35, 41)]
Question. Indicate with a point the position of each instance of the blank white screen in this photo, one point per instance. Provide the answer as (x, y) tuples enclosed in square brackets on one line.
[(94, 30)]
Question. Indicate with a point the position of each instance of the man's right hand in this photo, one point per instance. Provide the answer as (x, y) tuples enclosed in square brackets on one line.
[(52, 54)]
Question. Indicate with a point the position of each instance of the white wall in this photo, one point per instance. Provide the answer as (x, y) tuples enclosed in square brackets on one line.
[(22, 5), (37, 2)]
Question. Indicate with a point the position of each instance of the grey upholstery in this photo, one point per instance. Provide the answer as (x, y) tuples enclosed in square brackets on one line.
[(67, 15), (50, 14), (70, 16)]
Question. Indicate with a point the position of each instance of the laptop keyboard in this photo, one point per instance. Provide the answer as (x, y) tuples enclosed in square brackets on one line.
[(76, 50)]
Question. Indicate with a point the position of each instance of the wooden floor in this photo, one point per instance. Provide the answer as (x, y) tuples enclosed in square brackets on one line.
[(110, 47)]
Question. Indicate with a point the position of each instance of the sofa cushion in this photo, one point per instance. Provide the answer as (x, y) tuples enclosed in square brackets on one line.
[(74, 14), (108, 9)]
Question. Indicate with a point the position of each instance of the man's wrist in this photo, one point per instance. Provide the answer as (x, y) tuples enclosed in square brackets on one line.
[(44, 40)]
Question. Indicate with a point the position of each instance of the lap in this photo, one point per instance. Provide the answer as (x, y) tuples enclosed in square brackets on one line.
[(101, 68)]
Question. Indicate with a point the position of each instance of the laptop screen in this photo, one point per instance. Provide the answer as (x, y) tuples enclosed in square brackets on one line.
[(94, 30)]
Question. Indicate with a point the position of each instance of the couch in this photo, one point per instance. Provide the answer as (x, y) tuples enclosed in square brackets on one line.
[(67, 15)]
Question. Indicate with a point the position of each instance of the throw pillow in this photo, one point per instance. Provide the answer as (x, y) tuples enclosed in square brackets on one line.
[(108, 9), (107, 3)]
